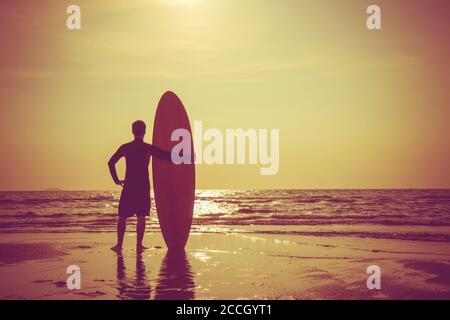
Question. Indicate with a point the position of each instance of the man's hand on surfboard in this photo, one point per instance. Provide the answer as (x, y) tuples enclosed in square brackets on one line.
[(121, 183)]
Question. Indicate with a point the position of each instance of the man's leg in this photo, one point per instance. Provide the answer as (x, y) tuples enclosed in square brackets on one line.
[(121, 227), (140, 230)]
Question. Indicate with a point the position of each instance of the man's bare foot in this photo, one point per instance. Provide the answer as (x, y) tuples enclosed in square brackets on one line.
[(140, 248), (117, 249)]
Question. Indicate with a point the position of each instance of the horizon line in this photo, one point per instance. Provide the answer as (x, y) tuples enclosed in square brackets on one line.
[(236, 189)]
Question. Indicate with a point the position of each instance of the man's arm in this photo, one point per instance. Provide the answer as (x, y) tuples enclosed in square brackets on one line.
[(166, 155), (160, 153), (112, 165)]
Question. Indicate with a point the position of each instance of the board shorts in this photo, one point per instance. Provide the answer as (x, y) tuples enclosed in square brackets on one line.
[(134, 201)]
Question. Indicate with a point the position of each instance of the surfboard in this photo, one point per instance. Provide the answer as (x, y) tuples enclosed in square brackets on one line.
[(174, 185)]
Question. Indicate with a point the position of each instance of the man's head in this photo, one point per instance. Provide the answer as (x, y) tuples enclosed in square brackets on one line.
[(139, 129)]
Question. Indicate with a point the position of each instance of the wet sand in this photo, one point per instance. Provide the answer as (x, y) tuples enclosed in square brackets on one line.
[(222, 266)]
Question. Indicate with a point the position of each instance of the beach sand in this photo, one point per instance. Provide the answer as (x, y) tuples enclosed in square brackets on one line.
[(222, 266)]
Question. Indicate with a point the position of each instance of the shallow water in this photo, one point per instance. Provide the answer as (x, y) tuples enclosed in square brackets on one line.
[(392, 214)]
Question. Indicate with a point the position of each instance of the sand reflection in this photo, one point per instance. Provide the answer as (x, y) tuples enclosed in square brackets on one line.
[(137, 288), (175, 280)]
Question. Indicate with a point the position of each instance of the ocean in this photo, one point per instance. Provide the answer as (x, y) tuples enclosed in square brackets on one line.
[(407, 214)]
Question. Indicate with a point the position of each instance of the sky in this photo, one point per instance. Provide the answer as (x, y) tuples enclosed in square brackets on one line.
[(355, 108)]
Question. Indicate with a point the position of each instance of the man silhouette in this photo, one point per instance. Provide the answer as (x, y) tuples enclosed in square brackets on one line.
[(135, 196)]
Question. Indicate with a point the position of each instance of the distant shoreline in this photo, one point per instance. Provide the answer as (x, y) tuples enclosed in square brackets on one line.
[(53, 189)]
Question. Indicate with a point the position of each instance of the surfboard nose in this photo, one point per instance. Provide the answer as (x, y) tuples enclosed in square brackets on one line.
[(169, 95)]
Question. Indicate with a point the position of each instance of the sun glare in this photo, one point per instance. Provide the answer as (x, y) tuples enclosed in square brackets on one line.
[(184, 1)]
